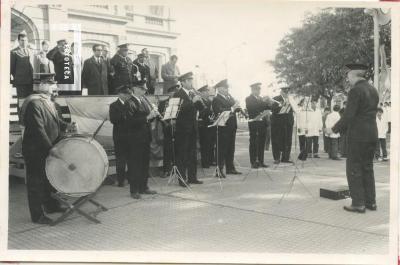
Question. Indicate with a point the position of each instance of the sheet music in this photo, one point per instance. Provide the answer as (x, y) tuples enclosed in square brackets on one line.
[(172, 110), (221, 121)]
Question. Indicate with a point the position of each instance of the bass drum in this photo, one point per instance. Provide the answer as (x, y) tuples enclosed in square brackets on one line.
[(77, 165)]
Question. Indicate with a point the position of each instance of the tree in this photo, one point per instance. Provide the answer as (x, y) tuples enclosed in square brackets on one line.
[(315, 53)]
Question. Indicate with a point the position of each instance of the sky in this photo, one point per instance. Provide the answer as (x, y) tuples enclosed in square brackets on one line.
[(234, 41)]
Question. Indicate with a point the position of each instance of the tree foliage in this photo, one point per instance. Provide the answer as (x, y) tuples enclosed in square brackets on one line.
[(310, 59)]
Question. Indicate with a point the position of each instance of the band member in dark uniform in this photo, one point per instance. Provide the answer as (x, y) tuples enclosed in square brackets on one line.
[(121, 66), (168, 155), (43, 127), (359, 118), (226, 134), (282, 128), (120, 136), (185, 133), (138, 118), (63, 62), (206, 134), (257, 107), (144, 71)]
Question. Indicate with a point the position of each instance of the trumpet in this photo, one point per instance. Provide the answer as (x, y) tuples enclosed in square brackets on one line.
[(236, 106), (196, 93)]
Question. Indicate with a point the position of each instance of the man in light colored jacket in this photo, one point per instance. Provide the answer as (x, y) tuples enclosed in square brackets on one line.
[(170, 73)]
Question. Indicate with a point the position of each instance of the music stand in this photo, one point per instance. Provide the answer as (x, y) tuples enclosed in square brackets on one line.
[(220, 121)]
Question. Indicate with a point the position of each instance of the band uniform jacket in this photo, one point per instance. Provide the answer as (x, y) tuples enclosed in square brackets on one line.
[(220, 104), (63, 66), (144, 70), (122, 67), (95, 76), (21, 66), (255, 106), (186, 120), (43, 127), (205, 113), (359, 117), (118, 115), (167, 72), (137, 126)]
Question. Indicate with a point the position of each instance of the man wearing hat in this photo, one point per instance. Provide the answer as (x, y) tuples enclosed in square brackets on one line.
[(167, 142), (144, 71), (359, 120), (138, 135), (185, 131), (121, 66), (256, 107), (226, 134), (282, 127), (63, 62), (206, 134), (120, 133), (43, 127)]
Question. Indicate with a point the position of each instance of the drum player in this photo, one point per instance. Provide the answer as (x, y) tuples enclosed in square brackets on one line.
[(43, 127)]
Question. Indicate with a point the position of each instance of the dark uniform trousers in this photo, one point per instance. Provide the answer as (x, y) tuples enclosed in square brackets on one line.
[(121, 149), (168, 152), (312, 144), (226, 147), (38, 186), (206, 139), (258, 135), (281, 136), (360, 172), (186, 154), (303, 150), (138, 165)]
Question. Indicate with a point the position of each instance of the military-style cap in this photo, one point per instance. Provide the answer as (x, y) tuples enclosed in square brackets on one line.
[(285, 89), (140, 55), (123, 46), (173, 88), (355, 66), (62, 41), (185, 76), (222, 83), (123, 89), (140, 83), (256, 85), (203, 88), (44, 78)]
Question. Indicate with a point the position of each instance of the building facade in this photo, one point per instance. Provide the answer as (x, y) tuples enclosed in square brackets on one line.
[(150, 27)]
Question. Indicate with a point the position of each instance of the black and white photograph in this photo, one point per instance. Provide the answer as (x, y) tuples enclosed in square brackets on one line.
[(200, 132)]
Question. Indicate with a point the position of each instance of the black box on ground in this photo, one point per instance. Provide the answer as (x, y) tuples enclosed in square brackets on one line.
[(338, 193)]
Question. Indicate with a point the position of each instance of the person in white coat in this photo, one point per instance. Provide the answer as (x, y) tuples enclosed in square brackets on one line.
[(333, 138), (382, 125), (314, 128)]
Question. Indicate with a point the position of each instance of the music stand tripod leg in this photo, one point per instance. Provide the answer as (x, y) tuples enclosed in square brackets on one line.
[(69, 211)]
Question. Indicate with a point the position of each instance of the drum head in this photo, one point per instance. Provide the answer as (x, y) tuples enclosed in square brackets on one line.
[(77, 166)]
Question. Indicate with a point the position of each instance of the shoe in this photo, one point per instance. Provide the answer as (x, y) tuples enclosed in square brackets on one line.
[(121, 184), (43, 220), (108, 181), (58, 209), (277, 162), (287, 161), (136, 195), (205, 166), (149, 192), (317, 156), (254, 165), (233, 172), (196, 181), (380, 159), (385, 159), (336, 158), (354, 209), (371, 207), (264, 165)]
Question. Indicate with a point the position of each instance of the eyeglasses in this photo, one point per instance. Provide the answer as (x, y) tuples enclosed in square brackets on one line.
[(98, 50)]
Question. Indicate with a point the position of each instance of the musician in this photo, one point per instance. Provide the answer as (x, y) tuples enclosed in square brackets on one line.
[(138, 118), (226, 134), (121, 66), (257, 109), (185, 133), (43, 127), (206, 134), (282, 127), (120, 136), (168, 155)]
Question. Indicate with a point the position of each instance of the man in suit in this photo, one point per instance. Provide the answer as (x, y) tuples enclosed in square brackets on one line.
[(21, 67), (43, 127), (257, 107), (138, 118), (205, 133), (170, 72), (168, 158), (153, 71), (120, 136), (63, 62), (95, 73), (282, 128), (144, 71), (185, 131), (42, 64), (226, 134), (121, 66), (359, 120)]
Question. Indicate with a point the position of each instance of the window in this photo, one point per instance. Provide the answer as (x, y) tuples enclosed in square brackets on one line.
[(157, 11)]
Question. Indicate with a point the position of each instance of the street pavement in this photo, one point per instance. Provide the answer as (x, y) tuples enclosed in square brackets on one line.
[(243, 213)]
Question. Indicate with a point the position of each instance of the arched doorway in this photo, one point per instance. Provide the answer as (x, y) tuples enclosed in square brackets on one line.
[(19, 23)]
